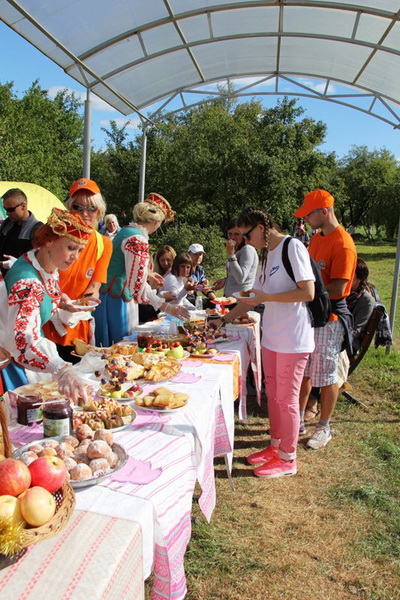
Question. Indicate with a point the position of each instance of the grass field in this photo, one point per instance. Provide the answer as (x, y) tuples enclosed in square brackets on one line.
[(333, 531)]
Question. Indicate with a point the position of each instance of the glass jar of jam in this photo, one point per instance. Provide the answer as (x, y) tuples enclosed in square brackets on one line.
[(57, 418), (145, 339), (29, 409)]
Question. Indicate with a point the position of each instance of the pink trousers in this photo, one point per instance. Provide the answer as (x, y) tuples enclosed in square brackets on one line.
[(283, 375)]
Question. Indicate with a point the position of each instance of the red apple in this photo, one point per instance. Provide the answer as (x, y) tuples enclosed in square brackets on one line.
[(10, 508), (15, 477), (37, 506), (48, 472)]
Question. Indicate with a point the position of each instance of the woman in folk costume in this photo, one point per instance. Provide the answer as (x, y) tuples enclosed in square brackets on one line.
[(85, 276), (30, 295), (129, 279)]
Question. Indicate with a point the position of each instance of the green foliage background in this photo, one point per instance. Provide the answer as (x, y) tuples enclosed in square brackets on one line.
[(210, 162)]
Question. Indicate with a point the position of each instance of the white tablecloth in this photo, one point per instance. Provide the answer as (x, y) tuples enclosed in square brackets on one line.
[(249, 346)]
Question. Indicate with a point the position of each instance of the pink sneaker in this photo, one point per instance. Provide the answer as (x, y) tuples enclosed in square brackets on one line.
[(263, 456), (276, 468)]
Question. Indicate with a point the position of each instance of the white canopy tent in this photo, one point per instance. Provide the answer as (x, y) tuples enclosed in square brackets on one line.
[(152, 55)]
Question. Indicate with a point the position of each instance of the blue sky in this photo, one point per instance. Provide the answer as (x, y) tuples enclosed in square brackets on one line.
[(22, 64)]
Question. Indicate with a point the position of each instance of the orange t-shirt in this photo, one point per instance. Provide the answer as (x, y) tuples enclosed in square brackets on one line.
[(74, 281), (336, 255)]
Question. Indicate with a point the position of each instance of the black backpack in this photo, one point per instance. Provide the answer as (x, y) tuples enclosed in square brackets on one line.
[(320, 308)]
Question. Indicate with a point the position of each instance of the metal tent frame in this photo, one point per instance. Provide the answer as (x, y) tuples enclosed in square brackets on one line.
[(148, 56)]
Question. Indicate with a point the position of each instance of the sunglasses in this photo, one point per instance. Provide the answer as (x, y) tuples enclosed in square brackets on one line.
[(246, 236), (12, 208), (80, 208), (312, 212)]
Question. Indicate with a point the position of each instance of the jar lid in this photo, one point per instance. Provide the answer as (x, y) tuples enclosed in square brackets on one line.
[(29, 399)]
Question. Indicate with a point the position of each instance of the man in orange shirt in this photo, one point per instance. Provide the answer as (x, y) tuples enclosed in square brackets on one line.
[(334, 250)]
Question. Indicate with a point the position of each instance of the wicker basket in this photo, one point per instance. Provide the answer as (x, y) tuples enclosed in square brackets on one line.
[(64, 497)]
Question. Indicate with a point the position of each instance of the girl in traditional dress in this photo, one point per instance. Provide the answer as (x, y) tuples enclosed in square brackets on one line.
[(31, 295), (129, 278), (85, 276)]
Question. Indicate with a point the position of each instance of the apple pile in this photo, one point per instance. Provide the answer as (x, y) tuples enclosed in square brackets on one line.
[(26, 491)]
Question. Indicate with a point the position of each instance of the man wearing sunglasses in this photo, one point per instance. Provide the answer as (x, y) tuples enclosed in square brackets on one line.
[(17, 230), (334, 250)]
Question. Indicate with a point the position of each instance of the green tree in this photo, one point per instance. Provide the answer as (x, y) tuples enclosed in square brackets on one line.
[(41, 139), (214, 160), (117, 171), (371, 180)]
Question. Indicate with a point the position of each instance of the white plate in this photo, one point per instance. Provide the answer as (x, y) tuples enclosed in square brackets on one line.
[(117, 448), (239, 297), (91, 304), (158, 409), (125, 387), (205, 354), (113, 429)]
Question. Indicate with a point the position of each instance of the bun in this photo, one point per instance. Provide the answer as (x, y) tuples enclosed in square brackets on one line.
[(98, 449), (104, 435), (81, 472), (84, 431), (70, 463), (99, 464), (28, 457)]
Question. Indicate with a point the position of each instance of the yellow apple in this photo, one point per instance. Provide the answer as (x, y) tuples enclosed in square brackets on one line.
[(10, 508), (176, 352), (37, 506)]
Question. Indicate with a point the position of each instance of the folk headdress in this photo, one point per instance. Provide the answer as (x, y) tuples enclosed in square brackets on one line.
[(161, 203), (66, 224)]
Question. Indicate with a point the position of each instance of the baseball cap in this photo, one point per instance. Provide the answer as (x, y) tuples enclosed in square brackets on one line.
[(195, 248), (313, 201), (84, 184)]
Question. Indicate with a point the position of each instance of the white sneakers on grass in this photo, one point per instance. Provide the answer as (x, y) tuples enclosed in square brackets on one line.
[(320, 438)]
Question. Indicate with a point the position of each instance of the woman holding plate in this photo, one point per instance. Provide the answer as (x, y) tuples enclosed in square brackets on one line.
[(287, 335), (129, 278), (85, 276), (30, 296)]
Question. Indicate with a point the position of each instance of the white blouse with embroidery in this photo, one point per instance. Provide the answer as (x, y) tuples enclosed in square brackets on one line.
[(22, 320), (136, 251)]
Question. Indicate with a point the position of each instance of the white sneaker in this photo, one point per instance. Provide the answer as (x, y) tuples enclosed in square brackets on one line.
[(320, 438)]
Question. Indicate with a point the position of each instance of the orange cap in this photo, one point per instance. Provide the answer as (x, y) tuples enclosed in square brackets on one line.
[(84, 184), (313, 201)]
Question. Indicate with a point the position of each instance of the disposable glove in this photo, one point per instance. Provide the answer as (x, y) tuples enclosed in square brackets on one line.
[(69, 384)]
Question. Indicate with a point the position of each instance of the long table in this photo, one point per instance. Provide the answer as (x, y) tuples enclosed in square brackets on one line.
[(177, 449)]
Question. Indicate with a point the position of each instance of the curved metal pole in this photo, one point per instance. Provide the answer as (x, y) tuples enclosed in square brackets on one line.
[(143, 153), (395, 288), (87, 133)]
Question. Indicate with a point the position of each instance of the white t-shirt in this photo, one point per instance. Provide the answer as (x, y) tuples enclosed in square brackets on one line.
[(176, 285), (286, 325)]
